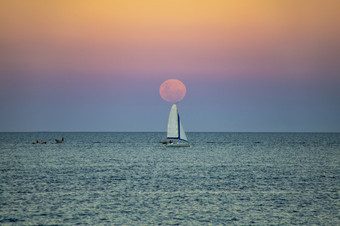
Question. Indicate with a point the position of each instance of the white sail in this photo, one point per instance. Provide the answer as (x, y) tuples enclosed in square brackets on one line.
[(173, 123), (182, 135), (175, 128)]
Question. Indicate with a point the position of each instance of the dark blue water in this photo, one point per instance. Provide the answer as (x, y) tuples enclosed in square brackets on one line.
[(130, 178)]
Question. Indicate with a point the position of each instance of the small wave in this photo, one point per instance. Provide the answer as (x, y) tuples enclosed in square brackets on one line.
[(9, 220)]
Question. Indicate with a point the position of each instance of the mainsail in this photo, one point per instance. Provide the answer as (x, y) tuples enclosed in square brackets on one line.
[(175, 128)]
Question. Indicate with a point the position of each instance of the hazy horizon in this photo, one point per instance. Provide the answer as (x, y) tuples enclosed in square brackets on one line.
[(165, 132)]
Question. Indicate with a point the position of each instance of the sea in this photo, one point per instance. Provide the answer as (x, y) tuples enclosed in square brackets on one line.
[(132, 179)]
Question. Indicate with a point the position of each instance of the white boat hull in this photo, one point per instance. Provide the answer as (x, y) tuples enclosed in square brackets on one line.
[(177, 145)]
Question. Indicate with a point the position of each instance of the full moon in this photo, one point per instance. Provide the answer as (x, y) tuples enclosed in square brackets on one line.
[(172, 90)]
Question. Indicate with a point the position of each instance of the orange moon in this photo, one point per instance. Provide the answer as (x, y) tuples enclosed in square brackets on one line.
[(172, 90)]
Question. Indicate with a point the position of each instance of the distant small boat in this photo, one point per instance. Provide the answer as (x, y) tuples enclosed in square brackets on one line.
[(37, 142), (175, 130), (60, 141)]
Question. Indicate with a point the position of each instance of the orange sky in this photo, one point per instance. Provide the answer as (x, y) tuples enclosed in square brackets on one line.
[(206, 36)]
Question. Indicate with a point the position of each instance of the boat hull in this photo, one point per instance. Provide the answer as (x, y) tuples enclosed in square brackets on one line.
[(177, 145)]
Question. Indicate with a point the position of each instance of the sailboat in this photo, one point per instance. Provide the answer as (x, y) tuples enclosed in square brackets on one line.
[(175, 132)]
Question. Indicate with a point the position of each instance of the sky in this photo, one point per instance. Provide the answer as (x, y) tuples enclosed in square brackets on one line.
[(97, 65)]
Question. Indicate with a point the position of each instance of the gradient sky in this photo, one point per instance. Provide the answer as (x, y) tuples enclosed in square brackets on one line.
[(96, 65)]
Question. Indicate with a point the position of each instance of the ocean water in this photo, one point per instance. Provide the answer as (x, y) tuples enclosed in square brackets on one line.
[(131, 179)]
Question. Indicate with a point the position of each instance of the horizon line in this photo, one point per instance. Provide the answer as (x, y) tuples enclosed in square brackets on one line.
[(75, 131)]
